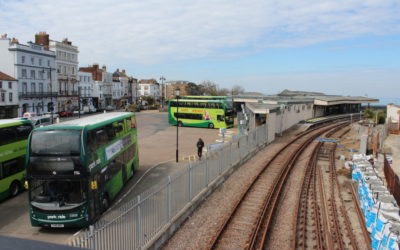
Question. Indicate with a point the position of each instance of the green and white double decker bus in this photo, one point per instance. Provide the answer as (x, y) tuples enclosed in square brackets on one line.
[(13, 139), (76, 168), (200, 113)]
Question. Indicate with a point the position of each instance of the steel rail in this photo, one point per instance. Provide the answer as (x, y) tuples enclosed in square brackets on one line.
[(308, 193), (215, 240)]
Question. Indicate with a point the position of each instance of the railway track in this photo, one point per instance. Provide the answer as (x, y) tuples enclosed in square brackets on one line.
[(250, 220), (322, 221)]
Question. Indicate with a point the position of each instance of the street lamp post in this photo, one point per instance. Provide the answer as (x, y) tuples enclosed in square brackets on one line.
[(177, 90), (51, 95), (162, 79), (79, 102)]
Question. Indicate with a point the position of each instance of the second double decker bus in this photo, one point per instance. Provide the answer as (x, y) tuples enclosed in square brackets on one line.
[(13, 139), (200, 113), (76, 168)]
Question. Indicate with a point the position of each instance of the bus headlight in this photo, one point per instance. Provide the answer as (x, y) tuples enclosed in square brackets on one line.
[(26, 185)]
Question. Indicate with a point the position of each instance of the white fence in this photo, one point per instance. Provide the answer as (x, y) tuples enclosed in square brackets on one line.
[(136, 224)]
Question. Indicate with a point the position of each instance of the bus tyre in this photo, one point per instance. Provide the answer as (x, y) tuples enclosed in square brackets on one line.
[(211, 125), (180, 124), (14, 188), (105, 203)]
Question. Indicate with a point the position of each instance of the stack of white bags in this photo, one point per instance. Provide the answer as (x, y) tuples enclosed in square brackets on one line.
[(378, 205)]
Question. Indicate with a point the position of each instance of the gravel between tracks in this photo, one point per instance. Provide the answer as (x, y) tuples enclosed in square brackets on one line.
[(198, 230), (282, 235)]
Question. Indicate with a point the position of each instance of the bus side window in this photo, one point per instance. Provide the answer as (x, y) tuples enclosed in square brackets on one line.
[(11, 167), (7, 135), (23, 131), (110, 131), (101, 137), (91, 140), (220, 118)]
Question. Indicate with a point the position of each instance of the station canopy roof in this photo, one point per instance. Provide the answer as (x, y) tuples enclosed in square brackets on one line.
[(298, 97)]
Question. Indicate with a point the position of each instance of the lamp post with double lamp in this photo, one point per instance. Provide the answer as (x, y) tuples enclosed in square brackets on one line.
[(177, 92), (162, 79), (79, 102), (51, 94)]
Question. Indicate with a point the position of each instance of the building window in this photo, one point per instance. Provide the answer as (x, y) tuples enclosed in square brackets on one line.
[(24, 87), (40, 61), (3, 97), (10, 85), (41, 87), (32, 74), (48, 63), (23, 72), (1, 84), (41, 75), (23, 59), (32, 60), (10, 96), (73, 70), (33, 87)]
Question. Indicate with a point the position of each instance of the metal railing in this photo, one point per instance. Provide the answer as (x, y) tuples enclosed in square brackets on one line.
[(38, 94), (135, 224)]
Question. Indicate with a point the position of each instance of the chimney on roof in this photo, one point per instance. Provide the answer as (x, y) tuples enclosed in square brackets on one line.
[(14, 40), (42, 38), (65, 41), (117, 70), (104, 68), (4, 36), (123, 71), (96, 66)]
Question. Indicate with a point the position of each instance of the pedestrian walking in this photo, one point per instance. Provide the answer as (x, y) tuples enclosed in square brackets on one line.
[(200, 145)]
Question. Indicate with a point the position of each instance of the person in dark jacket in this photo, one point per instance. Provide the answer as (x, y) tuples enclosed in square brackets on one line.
[(200, 145)]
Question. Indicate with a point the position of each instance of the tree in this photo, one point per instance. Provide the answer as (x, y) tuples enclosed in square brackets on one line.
[(193, 89), (237, 90), (209, 88), (223, 92), (149, 99)]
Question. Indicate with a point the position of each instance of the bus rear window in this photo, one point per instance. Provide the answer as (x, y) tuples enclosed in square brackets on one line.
[(55, 142)]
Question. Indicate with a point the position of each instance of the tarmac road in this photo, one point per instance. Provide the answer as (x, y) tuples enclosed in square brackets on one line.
[(157, 144)]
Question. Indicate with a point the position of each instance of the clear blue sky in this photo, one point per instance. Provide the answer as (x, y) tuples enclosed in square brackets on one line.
[(348, 47)]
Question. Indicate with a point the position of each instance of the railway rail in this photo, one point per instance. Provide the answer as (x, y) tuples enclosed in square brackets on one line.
[(322, 221), (249, 223)]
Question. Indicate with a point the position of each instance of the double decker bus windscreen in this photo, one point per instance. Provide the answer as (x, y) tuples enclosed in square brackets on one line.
[(55, 142)]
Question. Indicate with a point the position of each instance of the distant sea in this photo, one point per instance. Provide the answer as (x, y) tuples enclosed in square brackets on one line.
[(383, 101)]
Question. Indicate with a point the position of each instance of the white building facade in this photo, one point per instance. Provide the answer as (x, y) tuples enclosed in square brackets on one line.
[(149, 87), (66, 64), (86, 85), (33, 66)]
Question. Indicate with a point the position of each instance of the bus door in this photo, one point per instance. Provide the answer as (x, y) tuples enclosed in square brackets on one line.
[(94, 196)]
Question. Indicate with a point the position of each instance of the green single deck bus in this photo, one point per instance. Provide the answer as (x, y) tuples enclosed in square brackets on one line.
[(76, 168), (13, 139), (200, 113)]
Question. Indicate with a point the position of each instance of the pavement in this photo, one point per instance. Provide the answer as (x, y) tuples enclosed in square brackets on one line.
[(157, 157)]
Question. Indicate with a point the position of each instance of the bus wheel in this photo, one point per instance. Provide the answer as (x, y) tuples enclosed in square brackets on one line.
[(105, 203), (14, 188), (211, 125), (180, 124)]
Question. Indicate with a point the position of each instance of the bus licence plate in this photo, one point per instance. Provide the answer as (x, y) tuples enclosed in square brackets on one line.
[(56, 225)]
